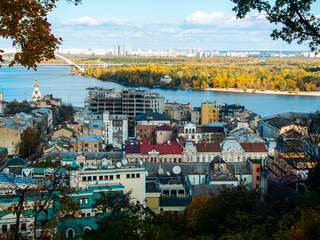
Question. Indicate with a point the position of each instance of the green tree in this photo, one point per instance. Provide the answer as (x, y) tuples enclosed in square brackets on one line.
[(15, 107), (295, 17), (30, 141), (64, 113)]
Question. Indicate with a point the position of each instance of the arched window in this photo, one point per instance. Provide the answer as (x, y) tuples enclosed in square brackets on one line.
[(70, 233), (86, 229), (193, 131), (186, 131)]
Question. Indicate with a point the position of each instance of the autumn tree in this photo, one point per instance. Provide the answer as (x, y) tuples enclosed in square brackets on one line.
[(46, 202), (25, 23), (294, 16)]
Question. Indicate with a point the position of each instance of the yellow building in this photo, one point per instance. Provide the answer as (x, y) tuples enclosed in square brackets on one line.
[(210, 113)]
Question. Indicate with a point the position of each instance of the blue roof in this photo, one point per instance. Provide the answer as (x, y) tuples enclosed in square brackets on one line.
[(15, 161), (91, 138), (151, 116), (4, 178)]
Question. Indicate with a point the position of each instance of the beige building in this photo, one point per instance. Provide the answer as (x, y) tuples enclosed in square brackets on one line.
[(210, 112), (65, 131), (10, 139)]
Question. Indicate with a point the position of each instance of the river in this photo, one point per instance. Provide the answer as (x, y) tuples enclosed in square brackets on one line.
[(18, 83)]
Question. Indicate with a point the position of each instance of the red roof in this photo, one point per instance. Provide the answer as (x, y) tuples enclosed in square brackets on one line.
[(131, 147), (164, 127), (172, 148), (208, 147), (254, 147)]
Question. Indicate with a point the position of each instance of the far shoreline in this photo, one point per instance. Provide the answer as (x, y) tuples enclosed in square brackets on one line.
[(230, 90), (234, 90)]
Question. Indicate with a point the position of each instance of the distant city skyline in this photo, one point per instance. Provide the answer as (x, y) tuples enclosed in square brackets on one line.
[(163, 25)]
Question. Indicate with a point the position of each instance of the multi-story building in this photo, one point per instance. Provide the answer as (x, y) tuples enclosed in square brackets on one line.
[(198, 133), (211, 112), (92, 143), (178, 111), (10, 137), (123, 101), (116, 129), (274, 127), (146, 124)]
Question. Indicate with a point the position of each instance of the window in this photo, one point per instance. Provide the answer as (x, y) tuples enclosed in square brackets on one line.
[(128, 175), (88, 214), (257, 186), (80, 201), (257, 177), (132, 175), (70, 233), (89, 178), (118, 176), (23, 226), (258, 169), (4, 228), (111, 177), (86, 144), (84, 178), (94, 177), (12, 227), (100, 177), (86, 201), (138, 175)]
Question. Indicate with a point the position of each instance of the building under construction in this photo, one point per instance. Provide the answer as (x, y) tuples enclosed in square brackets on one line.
[(123, 101)]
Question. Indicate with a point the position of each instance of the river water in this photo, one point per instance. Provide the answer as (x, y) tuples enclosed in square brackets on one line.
[(18, 83)]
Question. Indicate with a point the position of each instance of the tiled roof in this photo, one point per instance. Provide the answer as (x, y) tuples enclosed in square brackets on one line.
[(253, 147), (278, 122), (131, 147), (208, 147), (211, 129), (172, 148), (164, 127)]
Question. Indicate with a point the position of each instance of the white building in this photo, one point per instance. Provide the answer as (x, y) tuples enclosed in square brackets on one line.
[(116, 129)]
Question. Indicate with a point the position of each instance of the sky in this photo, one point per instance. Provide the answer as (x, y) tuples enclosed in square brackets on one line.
[(162, 25)]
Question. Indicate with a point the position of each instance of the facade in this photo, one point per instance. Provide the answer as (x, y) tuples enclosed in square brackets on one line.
[(64, 131), (289, 157), (146, 124), (196, 115), (123, 101), (163, 134), (204, 134), (92, 143), (274, 127), (145, 152), (43, 120), (211, 112), (202, 152), (10, 138), (178, 111), (116, 129)]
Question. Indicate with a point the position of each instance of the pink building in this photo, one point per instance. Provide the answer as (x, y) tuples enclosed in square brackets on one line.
[(163, 134)]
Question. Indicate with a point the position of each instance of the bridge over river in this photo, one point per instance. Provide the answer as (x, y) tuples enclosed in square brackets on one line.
[(69, 63)]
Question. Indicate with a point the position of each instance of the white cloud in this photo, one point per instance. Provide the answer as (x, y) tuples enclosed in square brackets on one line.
[(93, 22), (217, 20)]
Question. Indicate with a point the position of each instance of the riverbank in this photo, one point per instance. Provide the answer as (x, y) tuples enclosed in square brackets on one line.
[(234, 90)]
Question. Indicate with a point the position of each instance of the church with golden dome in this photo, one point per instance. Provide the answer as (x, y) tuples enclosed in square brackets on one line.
[(36, 95)]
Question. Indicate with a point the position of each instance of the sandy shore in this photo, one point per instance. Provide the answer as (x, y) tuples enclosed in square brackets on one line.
[(311, 94)]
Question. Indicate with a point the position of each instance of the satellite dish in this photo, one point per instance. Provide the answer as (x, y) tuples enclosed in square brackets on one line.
[(168, 174), (141, 162), (118, 164), (160, 171), (124, 162), (104, 161), (147, 174), (176, 170)]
